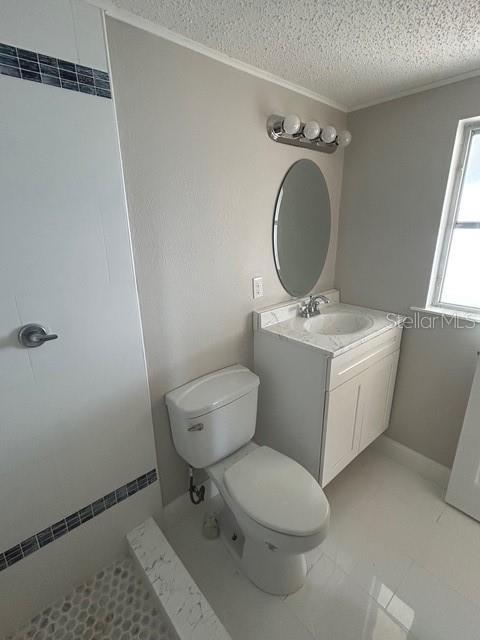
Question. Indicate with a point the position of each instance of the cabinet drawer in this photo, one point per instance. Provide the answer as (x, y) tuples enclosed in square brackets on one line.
[(350, 364)]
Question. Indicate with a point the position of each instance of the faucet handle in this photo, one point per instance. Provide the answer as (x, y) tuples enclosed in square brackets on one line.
[(311, 307), (304, 308)]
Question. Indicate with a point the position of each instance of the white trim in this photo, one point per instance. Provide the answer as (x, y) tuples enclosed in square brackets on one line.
[(449, 212), (453, 191), (413, 90), (425, 467), (147, 25), (445, 216)]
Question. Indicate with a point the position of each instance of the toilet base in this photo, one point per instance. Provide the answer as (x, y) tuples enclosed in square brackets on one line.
[(270, 570)]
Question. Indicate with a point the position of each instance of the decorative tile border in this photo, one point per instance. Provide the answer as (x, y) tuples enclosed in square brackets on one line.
[(74, 520), (36, 67)]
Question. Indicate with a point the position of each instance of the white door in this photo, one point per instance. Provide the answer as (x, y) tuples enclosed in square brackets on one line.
[(75, 417), (464, 486)]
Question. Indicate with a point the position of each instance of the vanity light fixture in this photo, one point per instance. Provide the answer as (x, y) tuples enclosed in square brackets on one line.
[(310, 135)]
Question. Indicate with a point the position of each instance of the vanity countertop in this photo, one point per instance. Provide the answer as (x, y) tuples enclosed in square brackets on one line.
[(333, 345)]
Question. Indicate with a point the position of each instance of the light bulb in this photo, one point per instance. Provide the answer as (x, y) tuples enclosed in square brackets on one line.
[(311, 130), (328, 134), (344, 138), (291, 124)]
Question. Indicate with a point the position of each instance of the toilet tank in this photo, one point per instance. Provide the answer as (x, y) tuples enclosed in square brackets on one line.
[(214, 415)]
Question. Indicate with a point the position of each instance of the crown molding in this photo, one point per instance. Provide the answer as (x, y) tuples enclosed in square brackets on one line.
[(410, 92), (110, 9), (123, 15)]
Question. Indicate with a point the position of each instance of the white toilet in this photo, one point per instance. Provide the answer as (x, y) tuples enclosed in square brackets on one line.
[(274, 511)]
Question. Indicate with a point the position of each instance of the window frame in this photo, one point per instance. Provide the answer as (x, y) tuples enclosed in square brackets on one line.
[(465, 131)]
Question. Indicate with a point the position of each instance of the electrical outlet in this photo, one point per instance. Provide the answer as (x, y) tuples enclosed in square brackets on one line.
[(257, 287)]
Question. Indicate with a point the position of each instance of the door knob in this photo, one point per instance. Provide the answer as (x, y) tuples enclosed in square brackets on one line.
[(34, 335)]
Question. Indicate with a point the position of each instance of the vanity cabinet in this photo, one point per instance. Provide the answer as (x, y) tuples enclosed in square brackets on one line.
[(320, 410), (356, 412)]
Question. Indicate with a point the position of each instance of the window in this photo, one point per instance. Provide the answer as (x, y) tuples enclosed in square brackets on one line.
[(455, 282)]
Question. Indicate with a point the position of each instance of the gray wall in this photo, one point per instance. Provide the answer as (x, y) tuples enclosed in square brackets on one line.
[(202, 179), (395, 177)]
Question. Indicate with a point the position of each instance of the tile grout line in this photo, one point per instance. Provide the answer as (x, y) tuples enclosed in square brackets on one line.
[(67, 524), (449, 585), (124, 597), (362, 588), (283, 600), (394, 593)]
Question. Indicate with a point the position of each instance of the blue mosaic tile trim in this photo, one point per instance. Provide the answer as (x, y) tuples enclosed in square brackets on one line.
[(36, 67), (74, 520)]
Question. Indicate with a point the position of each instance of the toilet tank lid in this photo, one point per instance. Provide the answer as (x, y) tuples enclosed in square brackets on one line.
[(210, 392)]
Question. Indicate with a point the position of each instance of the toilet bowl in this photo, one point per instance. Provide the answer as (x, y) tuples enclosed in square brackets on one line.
[(279, 509), (273, 510)]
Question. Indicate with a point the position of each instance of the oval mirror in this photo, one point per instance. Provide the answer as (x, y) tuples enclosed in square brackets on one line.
[(301, 228)]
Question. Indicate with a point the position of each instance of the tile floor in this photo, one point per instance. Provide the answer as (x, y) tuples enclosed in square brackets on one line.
[(398, 563), (114, 605)]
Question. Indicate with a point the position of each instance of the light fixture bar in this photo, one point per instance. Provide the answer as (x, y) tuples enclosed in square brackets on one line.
[(276, 129)]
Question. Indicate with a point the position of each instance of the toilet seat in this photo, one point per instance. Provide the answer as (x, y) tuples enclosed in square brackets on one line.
[(277, 493)]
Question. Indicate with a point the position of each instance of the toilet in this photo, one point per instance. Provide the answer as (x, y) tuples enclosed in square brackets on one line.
[(273, 510)]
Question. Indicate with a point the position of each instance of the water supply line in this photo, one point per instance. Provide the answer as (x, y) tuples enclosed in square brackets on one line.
[(197, 494)]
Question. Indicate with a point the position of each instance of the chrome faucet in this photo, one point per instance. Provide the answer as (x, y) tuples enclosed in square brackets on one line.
[(312, 306)]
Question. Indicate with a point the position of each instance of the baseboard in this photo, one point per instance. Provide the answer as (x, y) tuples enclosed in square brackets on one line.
[(427, 468)]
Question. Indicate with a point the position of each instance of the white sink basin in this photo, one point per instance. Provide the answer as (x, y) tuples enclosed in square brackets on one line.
[(336, 324)]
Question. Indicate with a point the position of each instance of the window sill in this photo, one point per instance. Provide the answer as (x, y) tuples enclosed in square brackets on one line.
[(450, 313)]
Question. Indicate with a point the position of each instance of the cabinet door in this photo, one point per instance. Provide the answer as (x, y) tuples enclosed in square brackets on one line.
[(377, 384), (341, 428)]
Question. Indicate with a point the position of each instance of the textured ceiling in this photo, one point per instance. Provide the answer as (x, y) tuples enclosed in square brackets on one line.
[(351, 51)]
